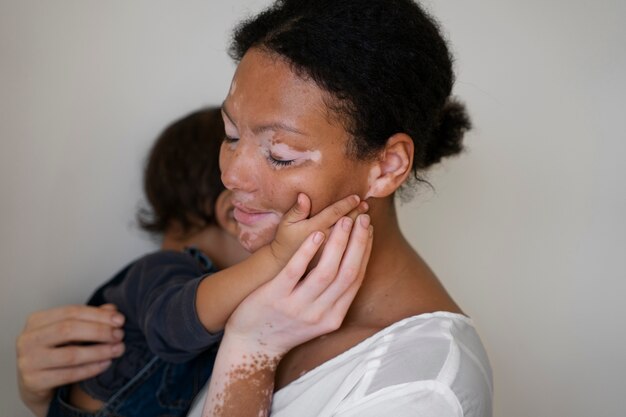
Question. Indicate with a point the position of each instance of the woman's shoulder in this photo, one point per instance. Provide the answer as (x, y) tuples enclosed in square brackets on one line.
[(437, 353), (428, 346), (433, 335)]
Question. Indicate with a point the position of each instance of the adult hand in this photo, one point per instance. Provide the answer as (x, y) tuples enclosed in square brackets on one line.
[(290, 310), (50, 353), (284, 313)]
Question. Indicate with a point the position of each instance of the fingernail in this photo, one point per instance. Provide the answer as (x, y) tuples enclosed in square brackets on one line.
[(104, 364), (371, 230), (365, 220), (118, 319), (346, 223), (356, 198), (365, 206), (118, 333), (318, 237)]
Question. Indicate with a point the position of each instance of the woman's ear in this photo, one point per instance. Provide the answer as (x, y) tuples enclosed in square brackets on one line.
[(224, 213), (392, 166)]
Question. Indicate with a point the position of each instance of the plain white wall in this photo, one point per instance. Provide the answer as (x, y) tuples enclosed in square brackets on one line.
[(526, 229)]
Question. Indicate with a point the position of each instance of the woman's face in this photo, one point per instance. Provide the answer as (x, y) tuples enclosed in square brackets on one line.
[(281, 140)]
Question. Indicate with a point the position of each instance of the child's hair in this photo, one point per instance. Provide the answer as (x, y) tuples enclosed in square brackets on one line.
[(182, 176)]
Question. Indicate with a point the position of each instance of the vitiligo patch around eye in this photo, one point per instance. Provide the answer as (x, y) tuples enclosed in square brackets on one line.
[(283, 151)]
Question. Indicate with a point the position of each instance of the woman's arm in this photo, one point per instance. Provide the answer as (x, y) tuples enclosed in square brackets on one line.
[(284, 313), (48, 355)]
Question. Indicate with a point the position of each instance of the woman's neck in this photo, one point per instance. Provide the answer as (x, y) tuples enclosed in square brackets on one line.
[(398, 283)]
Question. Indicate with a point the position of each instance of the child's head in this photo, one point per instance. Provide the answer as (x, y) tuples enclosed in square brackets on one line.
[(182, 176)]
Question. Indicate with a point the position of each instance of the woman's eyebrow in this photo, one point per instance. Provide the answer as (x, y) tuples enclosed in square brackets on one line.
[(277, 126), (266, 127)]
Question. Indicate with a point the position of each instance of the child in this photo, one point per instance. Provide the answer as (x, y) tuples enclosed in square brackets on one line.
[(174, 314)]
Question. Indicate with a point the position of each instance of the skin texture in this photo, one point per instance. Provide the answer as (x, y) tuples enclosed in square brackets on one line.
[(271, 103)]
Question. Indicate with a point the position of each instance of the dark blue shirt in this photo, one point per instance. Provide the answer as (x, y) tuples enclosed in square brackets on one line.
[(156, 294)]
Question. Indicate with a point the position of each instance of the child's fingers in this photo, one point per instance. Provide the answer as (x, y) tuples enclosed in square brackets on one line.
[(299, 211), (331, 214), (295, 269), (352, 263), (326, 269)]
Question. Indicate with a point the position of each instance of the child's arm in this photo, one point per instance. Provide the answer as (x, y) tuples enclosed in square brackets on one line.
[(218, 295)]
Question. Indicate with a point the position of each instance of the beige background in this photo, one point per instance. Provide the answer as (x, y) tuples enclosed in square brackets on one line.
[(526, 230)]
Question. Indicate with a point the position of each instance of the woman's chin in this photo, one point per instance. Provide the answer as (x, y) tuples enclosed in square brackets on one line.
[(253, 241), (258, 234)]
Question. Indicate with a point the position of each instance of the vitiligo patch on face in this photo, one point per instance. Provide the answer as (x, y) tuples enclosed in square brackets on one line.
[(245, 198), (247, 237), (284, 152)]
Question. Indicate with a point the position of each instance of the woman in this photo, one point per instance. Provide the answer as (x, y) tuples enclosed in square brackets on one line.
[(332, 98)]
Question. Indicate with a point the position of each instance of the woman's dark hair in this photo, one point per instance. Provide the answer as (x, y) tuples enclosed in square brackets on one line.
[(182, 175), (384, 62)]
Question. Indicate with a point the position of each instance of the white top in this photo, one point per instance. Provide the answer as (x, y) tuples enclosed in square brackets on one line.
[(427, 365)]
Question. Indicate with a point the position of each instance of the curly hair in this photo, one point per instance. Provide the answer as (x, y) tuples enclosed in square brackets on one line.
[(182, 175), (384, 62)]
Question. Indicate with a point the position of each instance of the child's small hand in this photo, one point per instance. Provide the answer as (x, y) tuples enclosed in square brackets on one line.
[(296, 225)]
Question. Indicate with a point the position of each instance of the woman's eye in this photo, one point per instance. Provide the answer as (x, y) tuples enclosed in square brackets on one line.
[(230, 139), (279, 162)]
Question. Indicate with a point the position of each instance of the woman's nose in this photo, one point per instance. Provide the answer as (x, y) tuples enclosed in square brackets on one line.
[(237, 167)]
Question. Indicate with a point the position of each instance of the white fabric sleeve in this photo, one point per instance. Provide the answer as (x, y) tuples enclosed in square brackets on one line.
[(414, 399)]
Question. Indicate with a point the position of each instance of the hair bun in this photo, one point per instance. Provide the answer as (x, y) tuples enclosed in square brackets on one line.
[(447, 136)]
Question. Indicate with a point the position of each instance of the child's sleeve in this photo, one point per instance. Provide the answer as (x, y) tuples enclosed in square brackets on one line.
[(159, 294)]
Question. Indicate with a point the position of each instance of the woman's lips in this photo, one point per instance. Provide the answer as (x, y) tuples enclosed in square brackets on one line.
[(249, 217)]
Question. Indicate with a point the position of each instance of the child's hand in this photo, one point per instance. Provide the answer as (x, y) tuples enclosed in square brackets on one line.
[(290, 310), (295, 225)]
